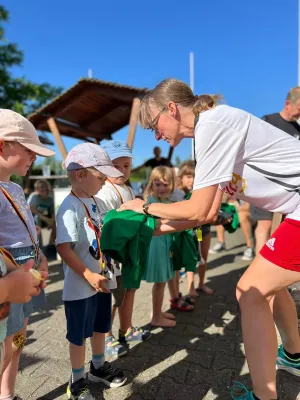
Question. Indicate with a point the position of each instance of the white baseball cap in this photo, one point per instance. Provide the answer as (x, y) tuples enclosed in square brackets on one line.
[(16, 128), (86, 155)]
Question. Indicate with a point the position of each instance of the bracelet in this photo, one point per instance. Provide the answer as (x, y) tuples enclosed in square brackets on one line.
[(145, 208)]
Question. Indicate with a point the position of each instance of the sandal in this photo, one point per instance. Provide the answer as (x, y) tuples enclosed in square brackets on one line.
[(187, 299), (180, 305)]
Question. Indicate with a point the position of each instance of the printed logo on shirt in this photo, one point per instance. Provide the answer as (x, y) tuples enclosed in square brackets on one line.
[(236, 185), (270, 243)]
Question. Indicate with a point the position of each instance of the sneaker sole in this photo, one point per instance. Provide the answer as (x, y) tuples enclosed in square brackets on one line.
[(293, 371), (95, 379), (216, 251), (245, 258)]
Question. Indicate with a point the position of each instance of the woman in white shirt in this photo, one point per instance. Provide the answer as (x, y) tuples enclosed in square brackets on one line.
[(249, 159)]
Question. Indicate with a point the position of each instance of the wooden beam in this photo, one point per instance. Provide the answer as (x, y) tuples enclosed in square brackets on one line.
[(82, 132), (54, 129), (171, 149), (133, 121)]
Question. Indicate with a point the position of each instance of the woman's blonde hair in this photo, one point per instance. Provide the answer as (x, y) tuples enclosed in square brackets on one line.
[(161, 173), (178, 92), (186, 168)]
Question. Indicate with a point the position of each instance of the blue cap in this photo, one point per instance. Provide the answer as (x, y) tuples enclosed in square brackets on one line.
[(116, 149)]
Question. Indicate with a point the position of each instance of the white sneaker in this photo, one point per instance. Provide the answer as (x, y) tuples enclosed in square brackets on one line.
[(248, 254), (218, 247)]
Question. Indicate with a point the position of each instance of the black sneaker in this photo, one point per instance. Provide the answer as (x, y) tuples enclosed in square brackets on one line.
[(107, 374), (79, 391)]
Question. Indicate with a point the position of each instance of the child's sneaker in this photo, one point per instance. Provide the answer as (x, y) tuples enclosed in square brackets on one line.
[(107, 374), (240, 392), (285, 363), (113, 348), (79, 391), (217, 248), (248, 254), (134, 335)]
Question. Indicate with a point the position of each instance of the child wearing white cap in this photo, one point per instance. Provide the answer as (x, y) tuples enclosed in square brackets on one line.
[(19, 146), (88, 273), (113, 194)]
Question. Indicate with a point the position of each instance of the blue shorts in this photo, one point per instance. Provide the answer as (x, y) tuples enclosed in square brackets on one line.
[(19, 312), (86, 316)]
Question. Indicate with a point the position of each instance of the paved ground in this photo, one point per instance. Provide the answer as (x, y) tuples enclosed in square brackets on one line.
[(198, 359)]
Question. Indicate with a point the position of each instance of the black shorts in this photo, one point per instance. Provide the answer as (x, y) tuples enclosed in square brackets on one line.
[(86, 316)]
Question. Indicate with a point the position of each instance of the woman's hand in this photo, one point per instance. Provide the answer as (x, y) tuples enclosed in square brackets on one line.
[(134, 205)]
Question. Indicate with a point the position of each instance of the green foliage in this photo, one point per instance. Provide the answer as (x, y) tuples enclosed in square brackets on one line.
[(19, 94), (139, 176)]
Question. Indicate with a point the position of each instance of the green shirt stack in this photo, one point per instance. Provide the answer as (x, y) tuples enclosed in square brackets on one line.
[(126, 237)]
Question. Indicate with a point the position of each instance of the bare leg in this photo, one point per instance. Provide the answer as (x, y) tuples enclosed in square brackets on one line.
[(220, 233), (205, 245), (261, 280), (11, 370), (244, 217), (262, 234), (98, 343), (157, 302), (77, 356), (285, 315), (191, 286)]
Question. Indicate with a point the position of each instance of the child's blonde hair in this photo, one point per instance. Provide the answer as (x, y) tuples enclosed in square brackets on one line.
[(186, 168), (160, 173)]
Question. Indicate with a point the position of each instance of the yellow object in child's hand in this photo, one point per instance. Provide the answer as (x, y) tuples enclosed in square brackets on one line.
[(36, 274), (199, 234)]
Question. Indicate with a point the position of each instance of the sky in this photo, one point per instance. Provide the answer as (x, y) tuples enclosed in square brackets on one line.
[(245, 50)]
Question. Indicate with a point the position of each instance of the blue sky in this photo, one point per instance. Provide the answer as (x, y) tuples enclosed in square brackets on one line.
[(246, 51)]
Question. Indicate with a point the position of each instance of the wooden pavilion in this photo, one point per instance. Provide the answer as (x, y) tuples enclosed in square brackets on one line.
[(91, 110)]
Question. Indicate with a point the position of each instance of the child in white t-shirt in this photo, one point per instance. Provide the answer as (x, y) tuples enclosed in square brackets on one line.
[(113, 194), (88, 274)]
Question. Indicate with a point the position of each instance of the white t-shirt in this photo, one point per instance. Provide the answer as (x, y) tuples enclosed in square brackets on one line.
[(72, 227), (110, 200), (250, 159), (13, 233)]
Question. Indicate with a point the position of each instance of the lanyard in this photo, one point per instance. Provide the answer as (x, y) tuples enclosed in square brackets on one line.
[(118, 192), (20, 215), (7, 254), (93, 227)]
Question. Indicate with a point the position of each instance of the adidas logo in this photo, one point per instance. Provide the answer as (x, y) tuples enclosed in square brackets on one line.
[(270, 243)]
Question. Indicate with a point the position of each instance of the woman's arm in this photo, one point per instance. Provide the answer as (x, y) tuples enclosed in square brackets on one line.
[(200, 207), (166, 226)]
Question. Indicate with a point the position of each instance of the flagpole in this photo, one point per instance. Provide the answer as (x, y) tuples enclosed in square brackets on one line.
[(192, 86)]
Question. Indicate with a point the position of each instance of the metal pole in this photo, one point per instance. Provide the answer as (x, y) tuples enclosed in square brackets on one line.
[(192, 84)]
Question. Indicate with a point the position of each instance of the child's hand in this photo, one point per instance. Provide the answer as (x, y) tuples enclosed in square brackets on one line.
[(98, 281), (21, 285), (43, 269)]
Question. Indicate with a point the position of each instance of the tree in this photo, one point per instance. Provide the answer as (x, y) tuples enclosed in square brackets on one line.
[(19, 94)]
